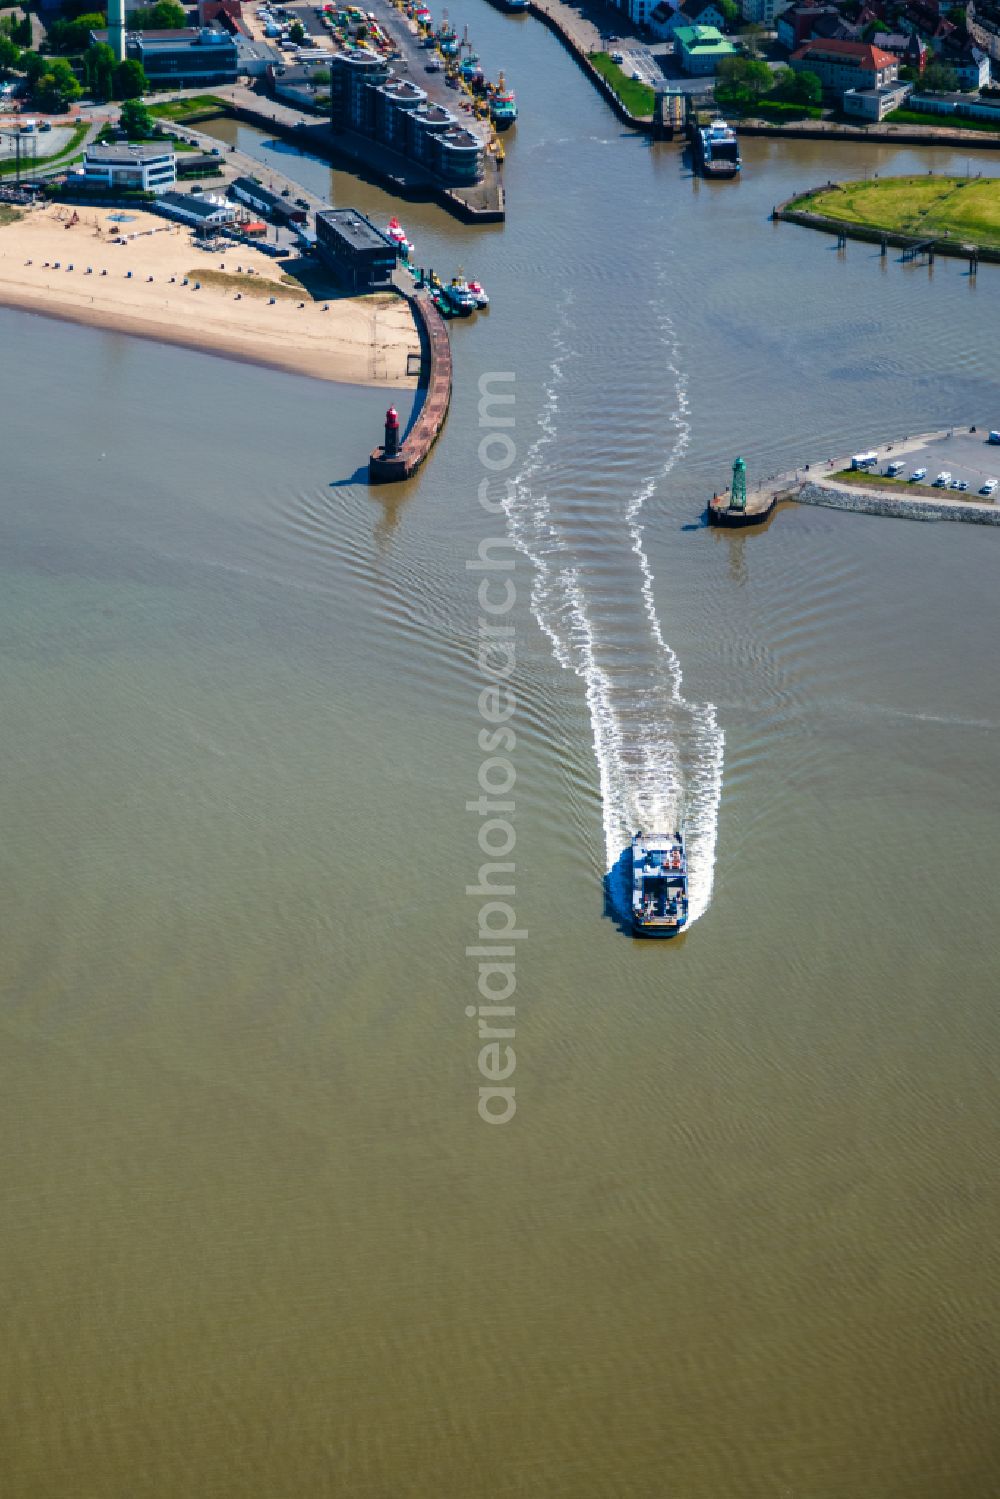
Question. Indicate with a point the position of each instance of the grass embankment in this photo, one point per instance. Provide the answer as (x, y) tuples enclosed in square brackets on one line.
[(202, 106), (965, 209), (8, 214), (636, 97), (942, 122), (30, 163)]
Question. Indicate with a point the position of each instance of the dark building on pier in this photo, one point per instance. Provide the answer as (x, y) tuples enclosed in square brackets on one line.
[(360, 256)]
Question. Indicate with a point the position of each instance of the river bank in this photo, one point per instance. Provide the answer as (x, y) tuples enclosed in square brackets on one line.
[(949, 215), (73, 265)]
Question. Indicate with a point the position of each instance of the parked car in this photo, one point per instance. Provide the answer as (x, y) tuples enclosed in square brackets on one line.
[(917, 475), (990, 487)]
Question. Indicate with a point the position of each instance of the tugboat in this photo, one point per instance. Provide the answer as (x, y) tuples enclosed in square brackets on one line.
[(503, 105), (478, 291), (659, 884), (395, 231)]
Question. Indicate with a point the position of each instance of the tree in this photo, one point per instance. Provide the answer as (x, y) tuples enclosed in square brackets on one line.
[(73, 36), (806, 88), (57, 87), (167, 15), (938, 78), (129, 80), (730, 11), (297, 33), (742, 80), (98, 70), (136, 120), (33, 66), (320, 75), (10, 53)]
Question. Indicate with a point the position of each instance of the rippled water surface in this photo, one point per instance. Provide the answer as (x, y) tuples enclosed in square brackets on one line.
[(739, 1239)]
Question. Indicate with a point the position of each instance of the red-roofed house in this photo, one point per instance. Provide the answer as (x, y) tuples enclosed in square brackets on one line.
[(844, 65)]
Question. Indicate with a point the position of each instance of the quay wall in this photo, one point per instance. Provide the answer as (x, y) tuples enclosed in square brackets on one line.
[(896, 135), (338, 150), (878, 502), (435, 350), (826, 224), (642, 123)]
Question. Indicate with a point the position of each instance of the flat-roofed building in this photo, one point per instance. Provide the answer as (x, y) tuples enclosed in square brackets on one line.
[(360, 256), (190, 57), (149, 166), (873, 104)]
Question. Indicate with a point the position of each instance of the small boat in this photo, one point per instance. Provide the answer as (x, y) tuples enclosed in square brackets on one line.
[(477, 291), (659, 884), (395, 231), (458, 296)]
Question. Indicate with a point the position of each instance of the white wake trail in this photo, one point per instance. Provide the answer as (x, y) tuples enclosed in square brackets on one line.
[(659, 757)]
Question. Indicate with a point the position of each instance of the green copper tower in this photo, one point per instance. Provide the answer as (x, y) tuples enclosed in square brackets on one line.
[(738, 494)]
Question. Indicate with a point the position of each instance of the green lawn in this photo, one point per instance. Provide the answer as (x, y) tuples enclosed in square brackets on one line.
[(182, 109), (636, 97), (943, 122), (961, 208)]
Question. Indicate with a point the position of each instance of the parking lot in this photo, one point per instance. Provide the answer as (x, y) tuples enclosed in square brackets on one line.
[(967, 457), (633, 58)]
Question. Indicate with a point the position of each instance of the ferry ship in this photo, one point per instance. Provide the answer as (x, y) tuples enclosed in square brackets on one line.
[(717, 150), (659, 884)]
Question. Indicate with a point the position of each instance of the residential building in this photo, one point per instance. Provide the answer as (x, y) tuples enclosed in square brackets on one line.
[(798, 23), (147, 167), (203, 210), (846, 65), (907, 46), (700, 49), (361, 256), (763, 12), (367, 98), (666, 19), (873, 104), (970, 65), (187, 58)]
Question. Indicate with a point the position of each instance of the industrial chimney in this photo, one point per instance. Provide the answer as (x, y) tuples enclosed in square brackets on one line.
[(116, 28)]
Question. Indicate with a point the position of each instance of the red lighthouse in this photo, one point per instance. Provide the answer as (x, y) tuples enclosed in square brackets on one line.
[(391, 432)]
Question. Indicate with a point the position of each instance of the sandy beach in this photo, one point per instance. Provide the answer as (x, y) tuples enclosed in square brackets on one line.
[(53, 260)]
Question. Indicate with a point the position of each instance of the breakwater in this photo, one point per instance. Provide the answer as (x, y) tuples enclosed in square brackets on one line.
[(435, 349), (903, 507), (936, 244)]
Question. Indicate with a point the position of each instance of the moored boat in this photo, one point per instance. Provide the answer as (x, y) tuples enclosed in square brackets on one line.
[(458, 296), (478, 291), (659, 884), (395, 231), (503, 105), (716, 150)]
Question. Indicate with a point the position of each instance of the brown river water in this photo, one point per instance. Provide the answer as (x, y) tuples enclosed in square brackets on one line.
[(739, 1239)]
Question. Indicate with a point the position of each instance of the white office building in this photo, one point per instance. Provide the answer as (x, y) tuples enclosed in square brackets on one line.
[(148, 166)]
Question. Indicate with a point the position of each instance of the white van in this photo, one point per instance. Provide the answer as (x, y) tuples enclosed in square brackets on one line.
[(893, 469), (943, 479), (864, 460)]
